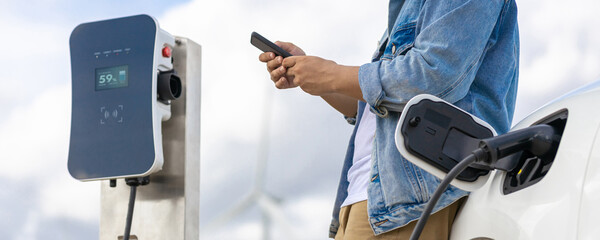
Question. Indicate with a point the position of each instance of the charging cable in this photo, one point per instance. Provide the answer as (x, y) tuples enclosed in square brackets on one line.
[(133, 183), (538, 140), (455, 171)]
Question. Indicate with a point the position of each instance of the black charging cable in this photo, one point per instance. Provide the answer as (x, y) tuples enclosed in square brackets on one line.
[(454, 172), (133, 183), (132, 194), (537, 139)]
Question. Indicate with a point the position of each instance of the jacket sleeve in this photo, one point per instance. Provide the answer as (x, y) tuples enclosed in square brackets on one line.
[(448, 49)]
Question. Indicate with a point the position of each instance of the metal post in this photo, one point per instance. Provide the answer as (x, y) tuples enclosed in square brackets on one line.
[(167, 208)]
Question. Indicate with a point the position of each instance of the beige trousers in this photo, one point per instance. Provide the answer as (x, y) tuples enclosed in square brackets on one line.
[(354, 224)]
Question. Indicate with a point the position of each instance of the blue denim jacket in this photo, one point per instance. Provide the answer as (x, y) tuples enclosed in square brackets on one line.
[(463, 51)]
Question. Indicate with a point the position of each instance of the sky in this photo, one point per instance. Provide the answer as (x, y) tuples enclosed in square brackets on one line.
[(305, 141)]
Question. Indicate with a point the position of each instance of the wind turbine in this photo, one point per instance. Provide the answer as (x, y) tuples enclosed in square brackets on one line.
[(269, 205)]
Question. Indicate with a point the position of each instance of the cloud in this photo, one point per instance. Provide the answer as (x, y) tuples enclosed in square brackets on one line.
[(61, 228), (36, 134), (559, 50), (35, 98), (18, 201), (34, 146), (36, 58), (306, 218)]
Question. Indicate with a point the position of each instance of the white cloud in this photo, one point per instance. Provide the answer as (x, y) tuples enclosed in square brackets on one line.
[(35, 144), (64, 197), (30, 227), (35, 57), (559, 50), (35, 136), (248, 230), (307, 217), (311, 212)]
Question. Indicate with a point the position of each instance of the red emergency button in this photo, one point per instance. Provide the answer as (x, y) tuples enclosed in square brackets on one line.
[(166, 51)]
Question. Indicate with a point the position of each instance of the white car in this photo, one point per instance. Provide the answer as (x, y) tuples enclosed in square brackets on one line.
[(542, 197)]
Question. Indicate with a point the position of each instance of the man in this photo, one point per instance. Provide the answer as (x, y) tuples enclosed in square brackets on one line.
[(463, 51)]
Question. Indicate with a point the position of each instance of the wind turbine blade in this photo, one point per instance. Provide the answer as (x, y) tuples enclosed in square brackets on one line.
[(266, 225), (264, 142), (272, 208)]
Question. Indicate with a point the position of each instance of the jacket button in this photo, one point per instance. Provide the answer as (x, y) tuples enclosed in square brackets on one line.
[(393, 48)]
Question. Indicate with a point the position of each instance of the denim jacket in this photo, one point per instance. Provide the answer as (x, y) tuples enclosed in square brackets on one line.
[(463, 51)]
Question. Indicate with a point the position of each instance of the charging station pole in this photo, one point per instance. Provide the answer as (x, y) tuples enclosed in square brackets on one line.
[(167, 208)]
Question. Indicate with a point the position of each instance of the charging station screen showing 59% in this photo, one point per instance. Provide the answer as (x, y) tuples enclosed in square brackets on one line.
[(112, 77)]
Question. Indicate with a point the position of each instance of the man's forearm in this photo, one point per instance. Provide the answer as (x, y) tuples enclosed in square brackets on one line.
[(346, 82), (347, 91), (343, 104)]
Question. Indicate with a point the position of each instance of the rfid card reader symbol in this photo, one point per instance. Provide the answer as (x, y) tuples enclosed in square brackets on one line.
[(111, 114)]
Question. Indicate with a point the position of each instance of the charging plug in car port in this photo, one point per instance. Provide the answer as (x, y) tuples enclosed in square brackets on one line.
[(530, 169)]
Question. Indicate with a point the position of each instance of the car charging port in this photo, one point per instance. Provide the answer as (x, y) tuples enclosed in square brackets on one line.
[(527, 168), (169, 86)]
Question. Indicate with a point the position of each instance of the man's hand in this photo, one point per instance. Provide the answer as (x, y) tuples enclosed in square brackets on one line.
[(318, 76), (274, 64), (314, 75)]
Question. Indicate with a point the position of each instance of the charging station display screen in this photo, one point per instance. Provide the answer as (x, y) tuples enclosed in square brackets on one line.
[(112, 77)]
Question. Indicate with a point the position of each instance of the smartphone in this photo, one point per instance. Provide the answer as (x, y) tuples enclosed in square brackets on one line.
[(267, 46)]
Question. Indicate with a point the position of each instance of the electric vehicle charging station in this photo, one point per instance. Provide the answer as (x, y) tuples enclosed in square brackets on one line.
[(528, 193), (136, 115)]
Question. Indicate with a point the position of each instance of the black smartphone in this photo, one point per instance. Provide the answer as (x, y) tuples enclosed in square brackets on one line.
[(267, 46)]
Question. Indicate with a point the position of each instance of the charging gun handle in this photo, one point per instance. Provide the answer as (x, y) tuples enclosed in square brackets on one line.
[(537, 139)]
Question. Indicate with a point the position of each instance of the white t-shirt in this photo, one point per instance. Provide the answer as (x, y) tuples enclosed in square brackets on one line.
[(358, 174)]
